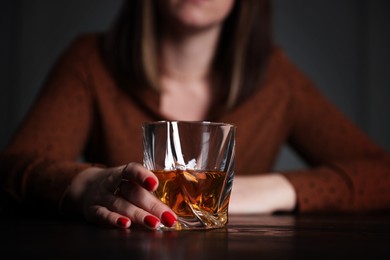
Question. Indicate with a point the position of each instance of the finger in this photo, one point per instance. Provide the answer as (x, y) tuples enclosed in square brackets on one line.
[(117, 211), (145, 200), (139, 174), (105, 217), (135, 214)]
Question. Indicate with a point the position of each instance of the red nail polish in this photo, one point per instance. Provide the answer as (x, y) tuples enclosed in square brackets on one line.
[(168, 219), (150, 183), (123, 222), (151, 221)]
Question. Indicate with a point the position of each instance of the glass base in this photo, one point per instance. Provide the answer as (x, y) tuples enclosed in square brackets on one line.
[(214, 222)]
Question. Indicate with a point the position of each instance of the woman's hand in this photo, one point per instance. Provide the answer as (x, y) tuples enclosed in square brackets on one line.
[(119, 197), (263, 194)]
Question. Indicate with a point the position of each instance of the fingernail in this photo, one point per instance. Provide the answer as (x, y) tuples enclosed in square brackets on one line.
[(168, 219), (123, 222), (150, 183), (151, 221)]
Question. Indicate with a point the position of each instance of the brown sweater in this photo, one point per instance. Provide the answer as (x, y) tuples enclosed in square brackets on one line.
[(82, 113)]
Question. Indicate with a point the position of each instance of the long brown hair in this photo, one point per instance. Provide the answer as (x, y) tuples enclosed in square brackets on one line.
[(243, 49)]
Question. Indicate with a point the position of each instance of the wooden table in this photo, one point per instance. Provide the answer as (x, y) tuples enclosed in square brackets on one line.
[(245, 237)]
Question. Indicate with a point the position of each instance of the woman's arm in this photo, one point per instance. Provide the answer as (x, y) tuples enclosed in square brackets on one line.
[(348, 171), (40, 169), (41, 159)]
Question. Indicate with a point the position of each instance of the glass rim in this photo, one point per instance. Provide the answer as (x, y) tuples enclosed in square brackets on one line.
[(206, 123)]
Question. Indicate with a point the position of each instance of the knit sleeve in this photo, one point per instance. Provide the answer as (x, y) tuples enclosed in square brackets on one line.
[(41, 159), (348, 171)]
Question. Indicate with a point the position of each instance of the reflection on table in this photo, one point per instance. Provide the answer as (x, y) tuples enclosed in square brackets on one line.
[(245, 237)]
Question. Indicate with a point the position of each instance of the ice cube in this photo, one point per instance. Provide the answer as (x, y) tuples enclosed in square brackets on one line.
[(190, 177), (191, 164), (179, 166)]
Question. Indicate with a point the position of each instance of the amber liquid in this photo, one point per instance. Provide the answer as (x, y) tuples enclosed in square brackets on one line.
[(194, 194)]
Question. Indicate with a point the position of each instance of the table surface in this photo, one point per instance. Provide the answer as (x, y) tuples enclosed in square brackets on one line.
[(245, 237)]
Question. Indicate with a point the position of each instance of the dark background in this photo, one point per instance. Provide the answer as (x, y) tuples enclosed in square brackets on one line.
[(342, 45)]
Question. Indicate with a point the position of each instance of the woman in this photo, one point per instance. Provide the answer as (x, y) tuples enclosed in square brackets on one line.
[(186, 60)]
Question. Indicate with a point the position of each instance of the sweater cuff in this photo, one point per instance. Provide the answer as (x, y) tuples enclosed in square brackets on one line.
[(47, 183), (323, 189)]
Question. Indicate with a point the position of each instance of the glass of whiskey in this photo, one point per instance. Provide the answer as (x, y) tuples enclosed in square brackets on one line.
[(194, 163)]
